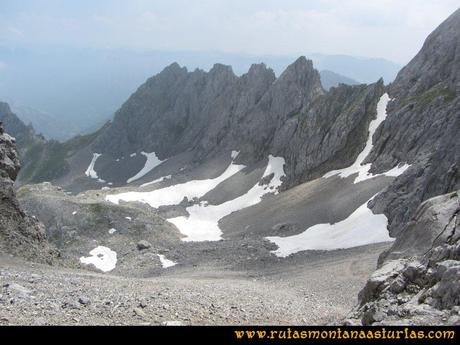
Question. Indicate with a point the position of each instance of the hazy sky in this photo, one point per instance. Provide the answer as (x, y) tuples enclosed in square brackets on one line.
[(392, 29)]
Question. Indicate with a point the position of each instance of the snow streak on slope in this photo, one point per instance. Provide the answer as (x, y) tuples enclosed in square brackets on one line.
[(203, 222), (166, 263), (173, 195), (360, 228), (161, 179), (151, 162), (357, 166), (102, 258), (90, 172)]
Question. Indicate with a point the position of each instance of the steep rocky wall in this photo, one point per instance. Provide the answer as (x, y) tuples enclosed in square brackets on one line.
[(19, 234)]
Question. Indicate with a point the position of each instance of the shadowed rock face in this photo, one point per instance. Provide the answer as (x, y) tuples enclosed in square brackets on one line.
[(19, 233), (422, 127)]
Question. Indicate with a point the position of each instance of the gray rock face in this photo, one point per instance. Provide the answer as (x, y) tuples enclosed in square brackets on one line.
[(19, 233), (419, 281), (256, 114), (422, 127), (433, 224)]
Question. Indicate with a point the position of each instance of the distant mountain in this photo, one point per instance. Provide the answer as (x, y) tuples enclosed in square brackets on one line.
[(41, 160), (363, 70), (24, 134), (82, 88), (330, 79), (46, 124)]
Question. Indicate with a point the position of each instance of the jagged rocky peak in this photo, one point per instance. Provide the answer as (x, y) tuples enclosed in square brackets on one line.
[(437, 62), (174, 69), (297, 86), (259, 69), (221, 69), (302, 74), (259, 74)]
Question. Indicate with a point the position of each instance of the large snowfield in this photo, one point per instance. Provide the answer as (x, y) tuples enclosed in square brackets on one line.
[(203, 222)]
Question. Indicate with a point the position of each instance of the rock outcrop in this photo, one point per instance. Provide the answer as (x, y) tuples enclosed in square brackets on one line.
[(422, 127), (19, 234), (419, 278)]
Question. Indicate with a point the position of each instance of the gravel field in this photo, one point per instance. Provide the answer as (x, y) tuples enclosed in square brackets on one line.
[(306, 290)]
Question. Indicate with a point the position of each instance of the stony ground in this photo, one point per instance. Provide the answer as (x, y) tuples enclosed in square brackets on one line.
[(311, 291)]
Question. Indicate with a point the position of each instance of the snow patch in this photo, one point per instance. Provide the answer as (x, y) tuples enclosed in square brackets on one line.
[(128, 218), (74, 213), (203, 221), (360, 228), (165, 263), (151, 162), (133, 154), (161, 179), (363, 170), (173, 195), (102, 258), (90, 172), (112, 231)]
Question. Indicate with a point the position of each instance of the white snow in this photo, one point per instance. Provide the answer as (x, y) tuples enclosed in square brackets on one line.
[(128, 218), (360, 228), (102, 258), (165, 263), (174, 194), (161, 179), (203, 221), (112, 231), (74, 213), (151, 162), (133, 154), (90, 172), (357, 166), (396, 171)]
